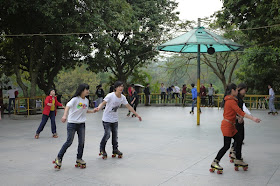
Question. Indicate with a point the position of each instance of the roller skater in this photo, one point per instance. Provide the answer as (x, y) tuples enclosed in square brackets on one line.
[(229, 131), (117, 152), (80, 163), (134, 100), (103, 153), (215, 166), (57, 163), (240, 163), (110, 117), (194, 98), (77, 108)]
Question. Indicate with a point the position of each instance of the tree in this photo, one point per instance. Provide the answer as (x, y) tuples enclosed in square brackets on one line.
[(77, 76), (131, 30), (259, 22), (43, 56)]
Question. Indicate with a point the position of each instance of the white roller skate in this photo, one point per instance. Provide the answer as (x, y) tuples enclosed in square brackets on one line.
[(80, 163), (240, 163), (215, 166)]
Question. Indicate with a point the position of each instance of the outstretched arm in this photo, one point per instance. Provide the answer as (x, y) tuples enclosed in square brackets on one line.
[(133, 111), (99, 107)]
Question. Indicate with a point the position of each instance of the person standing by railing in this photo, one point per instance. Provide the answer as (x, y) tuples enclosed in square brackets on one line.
[(271, 98), (147, 95), (162, 93), (203, 95), (211, 92), (12, 97), (100, 94), (49, 111), (194, 98)]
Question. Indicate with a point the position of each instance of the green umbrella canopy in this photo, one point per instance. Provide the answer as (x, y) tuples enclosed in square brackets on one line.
[(188, 42)]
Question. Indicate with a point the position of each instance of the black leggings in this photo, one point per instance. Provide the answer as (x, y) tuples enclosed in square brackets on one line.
[(227, 140), (241, 131)]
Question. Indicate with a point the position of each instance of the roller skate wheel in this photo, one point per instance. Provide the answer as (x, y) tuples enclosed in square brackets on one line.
[(76, 165), (104, 157), (120, 156), (245, 168), (53, 162), (211, 170), (113, 155), (236, 168), (219, 172), (99, 154), (55, 166)]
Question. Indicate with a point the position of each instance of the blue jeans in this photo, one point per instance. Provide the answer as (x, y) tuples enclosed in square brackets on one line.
[(71, 129), (108, 127), (10, 103), (271, 105), (44, 121), (194, 104)]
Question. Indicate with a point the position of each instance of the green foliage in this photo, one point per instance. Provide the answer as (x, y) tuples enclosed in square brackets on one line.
[(260, 67), (131, 30), (68, 81)]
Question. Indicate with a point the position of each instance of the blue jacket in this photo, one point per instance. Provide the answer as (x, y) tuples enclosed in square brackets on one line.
[(194, 93)]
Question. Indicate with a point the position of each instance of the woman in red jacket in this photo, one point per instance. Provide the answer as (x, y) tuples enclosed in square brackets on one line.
[(231, 110), (49, 111)]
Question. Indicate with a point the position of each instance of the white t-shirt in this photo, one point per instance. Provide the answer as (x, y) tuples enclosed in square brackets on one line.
[(78, 109), (176, 89), (11, 93), (111, 110)]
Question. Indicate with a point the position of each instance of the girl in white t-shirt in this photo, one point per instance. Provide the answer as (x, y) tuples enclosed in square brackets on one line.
[(76, 110), (110, 118)]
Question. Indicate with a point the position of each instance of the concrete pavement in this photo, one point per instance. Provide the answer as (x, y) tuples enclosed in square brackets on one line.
[(166, 148)]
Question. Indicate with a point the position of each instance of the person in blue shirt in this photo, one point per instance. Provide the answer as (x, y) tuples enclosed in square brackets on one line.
[(194, 98)]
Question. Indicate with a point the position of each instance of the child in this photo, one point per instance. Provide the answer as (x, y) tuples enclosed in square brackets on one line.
[(77, 108), (110, 118), (229, 131), (49, 111)]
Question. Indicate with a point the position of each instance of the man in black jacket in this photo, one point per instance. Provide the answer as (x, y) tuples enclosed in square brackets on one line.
[(147, 95)]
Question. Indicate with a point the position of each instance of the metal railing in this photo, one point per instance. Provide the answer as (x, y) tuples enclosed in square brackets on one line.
[(27, 106)]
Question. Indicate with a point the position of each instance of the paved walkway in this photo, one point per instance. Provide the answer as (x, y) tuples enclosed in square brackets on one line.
[(166, 148)]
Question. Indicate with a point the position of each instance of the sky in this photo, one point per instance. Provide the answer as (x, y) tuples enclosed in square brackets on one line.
[(194, 9)]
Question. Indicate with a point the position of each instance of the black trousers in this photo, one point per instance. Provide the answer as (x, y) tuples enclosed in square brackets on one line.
[(241, 131), (227, 140)]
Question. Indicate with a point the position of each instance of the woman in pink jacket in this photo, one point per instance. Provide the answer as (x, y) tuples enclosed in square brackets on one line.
[(49, 111)]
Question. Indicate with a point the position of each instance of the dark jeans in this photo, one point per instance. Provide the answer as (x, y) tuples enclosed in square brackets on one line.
[(71, 129), (162, 96), (177, 94), (210, 102), (183, 97), (241, 131), (108, 127), (134, 106), (10, 103), (194, 104), (44, 121), (227, 141)]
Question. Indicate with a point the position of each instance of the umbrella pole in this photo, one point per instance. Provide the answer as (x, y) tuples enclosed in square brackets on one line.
[(198, 85), (198, 80)]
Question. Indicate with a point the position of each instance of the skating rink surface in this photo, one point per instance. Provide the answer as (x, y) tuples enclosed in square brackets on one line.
[(166, 148)]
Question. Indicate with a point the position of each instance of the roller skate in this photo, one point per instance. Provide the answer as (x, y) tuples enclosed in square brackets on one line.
[(215, 166), (133, 115), (270, 112), (57, 163), (240, 163), (232, 157), (80, 163), (117, 152), (128, 114), (103, 153), (191, 112), (36, 136), (55, 135), (231, 151)]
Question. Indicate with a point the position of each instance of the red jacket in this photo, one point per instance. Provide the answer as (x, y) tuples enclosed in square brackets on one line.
[(231, 108), (47, 108)]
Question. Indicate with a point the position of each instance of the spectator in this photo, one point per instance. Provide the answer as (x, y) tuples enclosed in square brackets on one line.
[(162, 93), (203, 94), (184, 92), (147, 95), (12, 97), (176, 91), (211, 92), (100, 94)]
